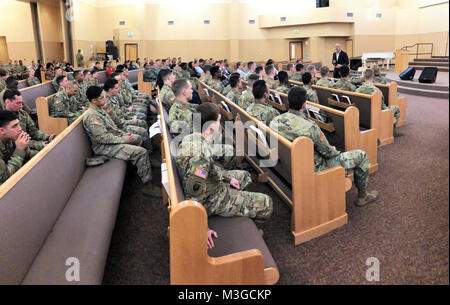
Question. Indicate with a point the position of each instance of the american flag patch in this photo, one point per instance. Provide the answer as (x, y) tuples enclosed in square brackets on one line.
[(201, 173), (97, 122)]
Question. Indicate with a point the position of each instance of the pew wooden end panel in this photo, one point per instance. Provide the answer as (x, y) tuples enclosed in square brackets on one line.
[(394, 100), (144, 87), (48, 124), (43, 79)]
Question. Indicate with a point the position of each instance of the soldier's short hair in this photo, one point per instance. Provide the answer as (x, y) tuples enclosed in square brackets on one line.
[(368, 74), (298, 67), (71, 84), (376, 69), (110, 84), (324, 70), (184, 66), (179, 85), (269, 62), (310, 68), (93, 92), (59, 79), (11, 82), (252, 78), (289, 66), (76, 73), (259, 69), (268, 69), (238, 64), (345, 71), (214, 70), (209, 113), (297, 97), (114, 74), (259, 88), (58, 68), (250, 64), (234, 80), (306, 78), (6, 117), (85, 72), (3, 73), (283, 77), (10, 94)]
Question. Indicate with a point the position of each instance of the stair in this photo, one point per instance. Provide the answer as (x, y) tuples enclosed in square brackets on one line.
[(419, 89), (441, 62)]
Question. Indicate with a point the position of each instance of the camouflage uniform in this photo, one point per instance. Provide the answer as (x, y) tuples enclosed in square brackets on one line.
[(81, 95), (55, 84), (63, 106), (262, 111), (247, 75), (294, 124), (290, 74), (296, 77), (344, 84), (283, 89), (226, 90), (180, 117), (93, 81), (206, 79), (167, 97), (2, 84), (369, 88), (246, 99), (205, 182), (378, 79), (38, 137), (108, 140), (150, 75), (234, 95), (12, 159), (129, 99), (216, 85), (311, 94), (32, 81), (357, 80), (271, 83), (324, 83)]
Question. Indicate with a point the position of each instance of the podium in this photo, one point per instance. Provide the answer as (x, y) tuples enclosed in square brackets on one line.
[(401, 60)]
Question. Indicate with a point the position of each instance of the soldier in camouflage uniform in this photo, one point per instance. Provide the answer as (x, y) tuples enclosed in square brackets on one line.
[(207, 77), (92, 79), (284, 86), (260, 109), (368, 88), (215, 82), (247, 97), (23, 70), (108, 140), (14, 103), (32, 80), (311, 94), (344, 83), (324, 80), (236, 87), (3, 77), (270, 74), (14, 150), (58, 72), (166, 93), (64, 104), (180, 114), (11, 83), (134, 97), (220, 191), (298, 73), (378, 79), (82, 87), (150, 74), (251, 70), (136, 106), (294, 124), (290, 70), (183, 72)]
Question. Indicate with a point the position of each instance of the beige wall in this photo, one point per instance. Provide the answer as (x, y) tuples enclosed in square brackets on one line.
[(51, 31)]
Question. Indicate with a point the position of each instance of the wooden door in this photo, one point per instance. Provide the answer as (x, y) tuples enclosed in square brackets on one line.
[(349, 47), (4, 56), (131, 51), (295, 50)]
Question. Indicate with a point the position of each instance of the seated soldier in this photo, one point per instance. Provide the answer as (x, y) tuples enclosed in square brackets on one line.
[(298, 73), (93, 80), (14, 103), (294, 124), (251, 69), (14, 150), (82, 87), (150, 74), (165, 81), (136, 110), (219, 191), (135, 94), (290, 70), (118, 114), (183, 71), (58, 72), (180, 114), (32, 80), (247, 97), (137, 103), (259, 108), (270, 74), (108, 140), (284, 86), (11, 84), (216, 82), (260, 72), (207, 77), (368, 88), (324, 80), (344, 82), (236, 87), (240, 68), (228, 87), (313, 71), (311, 94), (3, 78), (378, 78), (64, 104)]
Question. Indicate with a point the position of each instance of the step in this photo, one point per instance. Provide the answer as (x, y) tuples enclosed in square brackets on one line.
[(440, 69), (429, 63), (446, 57), (431, 60), (415, 84), (423, 92)]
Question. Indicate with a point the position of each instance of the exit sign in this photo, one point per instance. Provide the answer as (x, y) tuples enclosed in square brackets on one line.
[(296, 31)]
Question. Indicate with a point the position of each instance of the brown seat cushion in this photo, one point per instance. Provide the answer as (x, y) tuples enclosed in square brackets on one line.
[(83, 229), (236, 234)]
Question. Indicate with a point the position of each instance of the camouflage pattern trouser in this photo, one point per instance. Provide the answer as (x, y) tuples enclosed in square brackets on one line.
[(138, 156), (136, 130), (396, 113), (355, 160), (256, 206)]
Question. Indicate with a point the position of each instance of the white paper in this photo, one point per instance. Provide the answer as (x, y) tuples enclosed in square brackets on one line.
[(165, 178), (260, 135), (346, 99), (336, 96), (154, 130), (225, 106), (206, 91), (278, 99)]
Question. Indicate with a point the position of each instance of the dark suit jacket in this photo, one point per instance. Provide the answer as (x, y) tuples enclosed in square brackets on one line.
[(342, 60)]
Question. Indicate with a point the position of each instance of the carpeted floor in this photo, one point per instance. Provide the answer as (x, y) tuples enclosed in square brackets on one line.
[(407, 228)]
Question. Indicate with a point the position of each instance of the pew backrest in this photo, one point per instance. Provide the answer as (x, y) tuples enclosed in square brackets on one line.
[(30, 94)]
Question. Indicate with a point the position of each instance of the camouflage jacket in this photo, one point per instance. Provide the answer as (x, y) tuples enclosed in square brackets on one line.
[(283, 89), (180, 117), (344, 84), (234, 95), (32, 81), (262, 111), (246, 98), (11, 159), (311, 95), (63, 106), (324, 83), (27, 125), (369, 88), (216, 85), (271, 83), (167, 96), (296, 77)]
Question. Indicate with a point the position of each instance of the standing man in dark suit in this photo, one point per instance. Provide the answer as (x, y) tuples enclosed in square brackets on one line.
[(340, 59)]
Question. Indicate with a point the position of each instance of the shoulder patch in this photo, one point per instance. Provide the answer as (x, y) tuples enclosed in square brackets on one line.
[(322, 137), (201, 173), (57, 102), (98, 123)]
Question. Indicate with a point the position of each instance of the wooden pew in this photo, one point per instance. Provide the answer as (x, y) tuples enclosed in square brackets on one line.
[(317, 199), (47, 213), (22, 84), (30, 94), (48, 124), (370, 114), (236, 259), (144, 87)]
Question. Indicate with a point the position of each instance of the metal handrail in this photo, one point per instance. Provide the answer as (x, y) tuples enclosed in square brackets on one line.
[(417, 49)]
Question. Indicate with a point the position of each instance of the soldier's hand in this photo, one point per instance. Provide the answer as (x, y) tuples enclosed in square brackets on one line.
[(235, 183), (135, 122), (51, 137), (209, 235), (45, 143), (131, 108), (22, 141)]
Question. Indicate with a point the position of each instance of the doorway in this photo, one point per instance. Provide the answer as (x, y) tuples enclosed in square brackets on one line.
[(131, 51), (295, 50), (4, 56)]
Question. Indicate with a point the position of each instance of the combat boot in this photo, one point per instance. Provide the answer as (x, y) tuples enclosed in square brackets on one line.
[(397, 134), (152, 190), (370, 197)]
